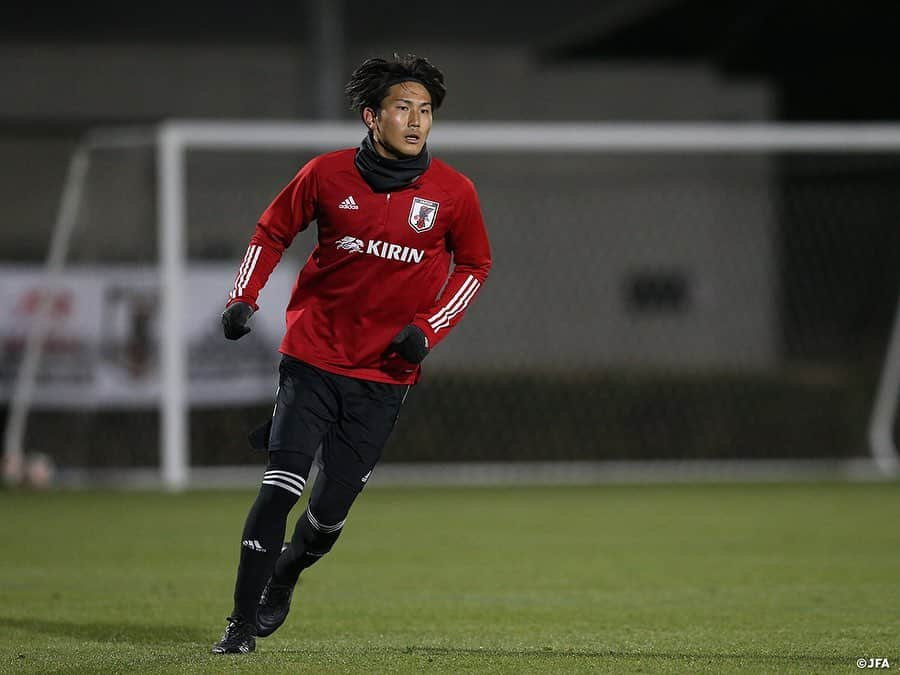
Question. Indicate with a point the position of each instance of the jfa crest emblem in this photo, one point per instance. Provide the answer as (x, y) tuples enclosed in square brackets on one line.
[(422, 214)]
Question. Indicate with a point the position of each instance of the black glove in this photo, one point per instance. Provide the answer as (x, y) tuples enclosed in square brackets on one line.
[(411, 344), (235, 318)]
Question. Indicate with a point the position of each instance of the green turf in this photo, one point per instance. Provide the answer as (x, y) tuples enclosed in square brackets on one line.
[(701, 578)]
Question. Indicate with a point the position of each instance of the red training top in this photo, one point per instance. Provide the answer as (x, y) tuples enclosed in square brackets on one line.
[(382, 262)]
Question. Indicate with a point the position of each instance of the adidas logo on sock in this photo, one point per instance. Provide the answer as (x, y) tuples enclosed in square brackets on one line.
[(349, 203), (253, 545)]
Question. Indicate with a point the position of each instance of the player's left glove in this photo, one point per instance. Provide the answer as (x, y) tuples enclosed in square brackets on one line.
[(411, 344)]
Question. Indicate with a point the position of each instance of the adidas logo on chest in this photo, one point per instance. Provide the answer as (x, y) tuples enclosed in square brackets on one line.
[(349, 203)]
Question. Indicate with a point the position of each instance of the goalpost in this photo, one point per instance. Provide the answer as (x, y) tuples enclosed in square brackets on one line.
[(175, 139), (884, 413), (23, 388)]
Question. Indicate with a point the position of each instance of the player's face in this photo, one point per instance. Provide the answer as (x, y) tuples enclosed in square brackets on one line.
[(403, 122)]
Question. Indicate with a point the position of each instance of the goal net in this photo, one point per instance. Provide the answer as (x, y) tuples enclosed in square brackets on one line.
[(662, 296)]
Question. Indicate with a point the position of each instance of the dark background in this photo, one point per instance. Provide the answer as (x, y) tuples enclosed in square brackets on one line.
[(826, 60), (837, 237)]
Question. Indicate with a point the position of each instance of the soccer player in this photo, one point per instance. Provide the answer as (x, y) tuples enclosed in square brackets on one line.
[(402, 252)]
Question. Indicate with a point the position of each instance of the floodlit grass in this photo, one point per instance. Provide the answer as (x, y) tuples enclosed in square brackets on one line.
[(684, 578)]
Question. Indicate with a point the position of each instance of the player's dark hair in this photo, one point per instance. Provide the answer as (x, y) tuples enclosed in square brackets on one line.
[(369, 83)]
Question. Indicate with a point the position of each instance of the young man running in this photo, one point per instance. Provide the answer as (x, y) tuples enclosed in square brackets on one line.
[(376, 295)]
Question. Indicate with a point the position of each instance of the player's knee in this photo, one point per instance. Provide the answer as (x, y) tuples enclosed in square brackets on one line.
[(293, 462), (331, 500), (318, 536), (321, 524), (324, 520), (285, 476)]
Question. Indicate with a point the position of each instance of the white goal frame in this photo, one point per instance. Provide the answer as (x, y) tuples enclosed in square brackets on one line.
[(175, 138)]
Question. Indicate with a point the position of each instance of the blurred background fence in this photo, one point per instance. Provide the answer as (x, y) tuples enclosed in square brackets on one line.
[(688, 305)]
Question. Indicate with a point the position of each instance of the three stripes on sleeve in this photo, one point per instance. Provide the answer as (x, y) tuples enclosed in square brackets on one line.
[(248, 264), (457, 304)]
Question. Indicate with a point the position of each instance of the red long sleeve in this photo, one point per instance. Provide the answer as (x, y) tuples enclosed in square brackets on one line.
[(290, 212)]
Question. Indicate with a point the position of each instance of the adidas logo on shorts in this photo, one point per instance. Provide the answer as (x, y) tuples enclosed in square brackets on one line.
[(349, 203)]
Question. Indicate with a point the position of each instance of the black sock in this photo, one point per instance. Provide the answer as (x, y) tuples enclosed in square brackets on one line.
[(306, 548), (262, 537), (317, 529)]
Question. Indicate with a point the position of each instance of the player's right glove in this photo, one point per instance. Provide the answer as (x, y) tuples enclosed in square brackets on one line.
[(235, 318), (410, 343)]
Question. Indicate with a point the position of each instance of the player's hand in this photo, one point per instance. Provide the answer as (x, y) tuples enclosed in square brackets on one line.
[(411, 344), (235, 318)]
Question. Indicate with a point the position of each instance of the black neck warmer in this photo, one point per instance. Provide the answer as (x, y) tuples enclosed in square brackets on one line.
[(385, 175)]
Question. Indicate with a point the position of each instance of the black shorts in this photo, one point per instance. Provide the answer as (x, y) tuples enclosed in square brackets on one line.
[(350, 418)]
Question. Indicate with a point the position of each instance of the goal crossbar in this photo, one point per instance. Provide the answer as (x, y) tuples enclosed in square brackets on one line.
[(551, 136)]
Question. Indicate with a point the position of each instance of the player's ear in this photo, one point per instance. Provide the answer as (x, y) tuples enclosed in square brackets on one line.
[(369, 115)]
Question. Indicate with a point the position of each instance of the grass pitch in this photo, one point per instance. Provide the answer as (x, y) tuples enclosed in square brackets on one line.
[(685, 578)]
